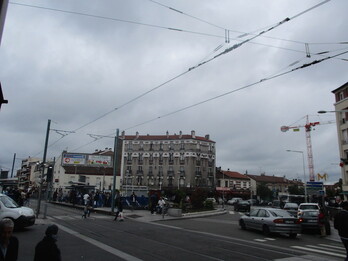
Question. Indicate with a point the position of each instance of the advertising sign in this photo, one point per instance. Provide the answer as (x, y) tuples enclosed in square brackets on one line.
[(74, 159), (99, 160)]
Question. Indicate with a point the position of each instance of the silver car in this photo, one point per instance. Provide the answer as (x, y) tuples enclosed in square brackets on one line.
[(271, 220)]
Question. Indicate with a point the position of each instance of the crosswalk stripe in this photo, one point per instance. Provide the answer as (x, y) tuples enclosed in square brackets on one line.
[(337, 247), (318, 251), (231, 212), (320, 247), (260, 240)]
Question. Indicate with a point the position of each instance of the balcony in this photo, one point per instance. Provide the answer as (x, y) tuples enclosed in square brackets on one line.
[(170, 173), (140, 173), (171, 162), (140, 162), (198, 173)]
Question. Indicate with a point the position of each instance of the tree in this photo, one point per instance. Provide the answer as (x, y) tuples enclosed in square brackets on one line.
[(263, 191)]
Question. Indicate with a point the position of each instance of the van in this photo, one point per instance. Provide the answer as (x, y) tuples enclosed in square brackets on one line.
[(21, 216)]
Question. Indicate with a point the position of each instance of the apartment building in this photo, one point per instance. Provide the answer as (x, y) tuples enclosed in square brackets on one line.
[(155, 162), (341, 106)]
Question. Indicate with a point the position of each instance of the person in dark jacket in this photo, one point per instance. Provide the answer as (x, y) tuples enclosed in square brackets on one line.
[(47, 249), (341, 224), (119, 207), (8, 243)]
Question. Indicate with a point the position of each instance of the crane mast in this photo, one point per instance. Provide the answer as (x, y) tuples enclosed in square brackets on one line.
[(308, 128)]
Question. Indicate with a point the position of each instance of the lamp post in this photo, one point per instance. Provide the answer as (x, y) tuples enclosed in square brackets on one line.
[(304, 170)]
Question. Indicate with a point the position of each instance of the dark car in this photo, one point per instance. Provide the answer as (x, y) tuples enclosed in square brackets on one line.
[(309, 221), (291, 208), (242, 205)]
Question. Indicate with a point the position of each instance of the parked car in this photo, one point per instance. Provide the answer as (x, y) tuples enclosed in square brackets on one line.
[(242, 205), (233, 201), (306, 206), (21, 216), (271, 220), (291, 208), (309, 221), (253, 202)]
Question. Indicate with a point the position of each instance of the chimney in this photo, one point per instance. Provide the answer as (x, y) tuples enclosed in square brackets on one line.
[(193, 134), (167, 133), (180, 134), (136, 135), (207, 136)]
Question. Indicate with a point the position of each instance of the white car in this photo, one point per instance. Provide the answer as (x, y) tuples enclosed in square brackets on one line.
[(21, 216), (307, 206), (233, 201)]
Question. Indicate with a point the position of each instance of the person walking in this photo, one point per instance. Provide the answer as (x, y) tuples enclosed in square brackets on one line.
[(88, 207), (8, 243), (341, 224), (47, 248), (153, 203), (322, 222), (133, 200), (119, 207)]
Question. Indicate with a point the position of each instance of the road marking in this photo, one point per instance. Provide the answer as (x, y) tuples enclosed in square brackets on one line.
[(260, 240), (231, 212), (320, 247), (331, 246), (107, 248), (318, 251), (269, 238)]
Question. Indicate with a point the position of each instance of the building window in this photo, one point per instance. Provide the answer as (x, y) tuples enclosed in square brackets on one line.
[(151, 159), (161, 146), (171, 158), (140, 158), (182, 146)]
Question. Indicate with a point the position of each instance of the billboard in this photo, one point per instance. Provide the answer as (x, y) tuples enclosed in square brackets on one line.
[(99, 160), (73, 159)]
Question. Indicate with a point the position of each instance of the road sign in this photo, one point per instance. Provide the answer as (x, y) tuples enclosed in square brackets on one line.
[(314, 188)]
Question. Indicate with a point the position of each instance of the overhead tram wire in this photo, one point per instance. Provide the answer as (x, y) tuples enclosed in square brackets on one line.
[(235, 46), (236, 90), (243, 34)]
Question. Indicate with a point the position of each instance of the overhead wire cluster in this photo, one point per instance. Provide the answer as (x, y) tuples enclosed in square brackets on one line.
[(227, 50)]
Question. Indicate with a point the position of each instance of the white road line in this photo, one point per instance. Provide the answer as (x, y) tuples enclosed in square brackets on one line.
[(329, 249), (337, 247), (107, 248), (269, 238), (260, 240), (231, 212), (318, 251)]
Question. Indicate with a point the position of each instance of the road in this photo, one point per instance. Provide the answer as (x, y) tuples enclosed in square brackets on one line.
[(208, 238)]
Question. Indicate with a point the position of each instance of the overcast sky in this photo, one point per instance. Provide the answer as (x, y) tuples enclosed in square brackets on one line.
[(75, 61)]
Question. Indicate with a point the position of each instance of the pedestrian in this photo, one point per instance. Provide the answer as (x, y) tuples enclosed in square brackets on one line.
[(341, 224), (153, 203), (161, 204), (119, 207), (87, 207), (133, 200), (47, 248), (322, 222), (8, 243)]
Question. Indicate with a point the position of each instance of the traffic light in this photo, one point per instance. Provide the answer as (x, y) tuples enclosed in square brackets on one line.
[(49, 173)]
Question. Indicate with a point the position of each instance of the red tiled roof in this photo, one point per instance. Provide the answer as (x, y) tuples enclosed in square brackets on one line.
[(234, 174), (268, 179)]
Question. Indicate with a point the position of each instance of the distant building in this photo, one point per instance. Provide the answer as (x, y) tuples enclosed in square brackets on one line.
[(155, 162), (341, 103), (233, 184), (25, 175), (85, 169)]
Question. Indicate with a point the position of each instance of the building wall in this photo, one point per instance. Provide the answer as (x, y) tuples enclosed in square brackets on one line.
[(341, 98), (168, 161)]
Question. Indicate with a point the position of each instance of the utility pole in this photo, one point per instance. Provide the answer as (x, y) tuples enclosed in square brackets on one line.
[(43, 168), (114, 171), (13, 163)]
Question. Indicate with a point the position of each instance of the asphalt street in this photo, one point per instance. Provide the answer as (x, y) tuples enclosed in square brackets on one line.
[(215, 237)]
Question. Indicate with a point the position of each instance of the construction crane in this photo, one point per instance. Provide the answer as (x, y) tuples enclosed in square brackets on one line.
[(308, 128)]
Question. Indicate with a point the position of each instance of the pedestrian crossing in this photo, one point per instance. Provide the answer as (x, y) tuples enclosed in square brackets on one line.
[(79, 217), (326, 249)]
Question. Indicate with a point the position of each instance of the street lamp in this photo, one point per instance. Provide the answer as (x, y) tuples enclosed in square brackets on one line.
[(304, 170)]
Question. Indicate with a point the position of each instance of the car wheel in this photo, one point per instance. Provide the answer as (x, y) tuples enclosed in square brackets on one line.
[(242, 224), (293, 235), (265, 230)]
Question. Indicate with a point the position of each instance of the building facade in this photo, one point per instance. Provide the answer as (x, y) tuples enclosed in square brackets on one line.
[(341, 106), (156, 162), (26, 173)]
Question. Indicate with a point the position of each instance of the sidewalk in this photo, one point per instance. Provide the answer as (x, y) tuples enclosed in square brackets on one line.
[(146, 216)]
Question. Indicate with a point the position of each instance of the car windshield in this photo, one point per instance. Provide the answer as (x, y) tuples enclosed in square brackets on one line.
[(291, 205), (309, 207), (243, 202), (8, 202), (279, 213), (310, 214)]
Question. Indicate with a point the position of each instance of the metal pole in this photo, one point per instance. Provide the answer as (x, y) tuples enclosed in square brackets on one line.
[(114, 172), (13, 163), (43, 168), (304, 175)]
